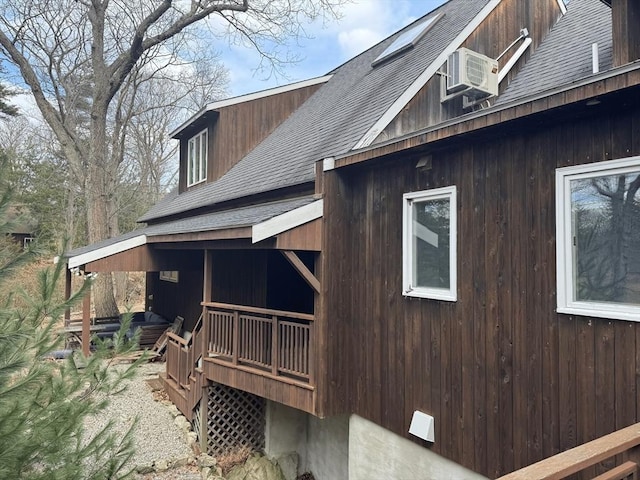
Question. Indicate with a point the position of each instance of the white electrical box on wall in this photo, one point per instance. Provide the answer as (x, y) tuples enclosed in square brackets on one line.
[(422, 426)]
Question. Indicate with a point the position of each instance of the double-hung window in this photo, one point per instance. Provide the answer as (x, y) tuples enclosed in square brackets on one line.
[(429, 244), (598, 239), (197, 158)]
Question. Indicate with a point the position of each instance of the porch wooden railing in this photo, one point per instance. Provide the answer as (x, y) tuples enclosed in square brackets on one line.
[(184, 358), (624, 442), (271, 341), (178, 359)]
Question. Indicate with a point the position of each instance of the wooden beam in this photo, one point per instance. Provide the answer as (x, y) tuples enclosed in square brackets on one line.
[(620, 472), (626, 31), (207, 276), (572, 461), (86, 322), (67, 295), (302, 269)]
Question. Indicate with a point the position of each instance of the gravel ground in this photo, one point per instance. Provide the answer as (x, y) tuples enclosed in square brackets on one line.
[(160, 443)]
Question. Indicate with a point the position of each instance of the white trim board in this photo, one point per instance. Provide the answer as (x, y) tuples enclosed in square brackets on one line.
[(402, 101), (250, 96), (514, 58), (107, 251), (563, 7), (286, 221)]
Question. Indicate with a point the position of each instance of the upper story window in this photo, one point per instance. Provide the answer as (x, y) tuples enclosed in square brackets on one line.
[(598, 239), (429, 244), (197, 158)]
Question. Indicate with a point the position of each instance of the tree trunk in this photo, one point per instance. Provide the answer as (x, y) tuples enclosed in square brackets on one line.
[(99, 197)]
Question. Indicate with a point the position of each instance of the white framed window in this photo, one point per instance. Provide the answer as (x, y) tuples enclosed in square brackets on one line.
[(429, 244), (598, 239), (197, 158)]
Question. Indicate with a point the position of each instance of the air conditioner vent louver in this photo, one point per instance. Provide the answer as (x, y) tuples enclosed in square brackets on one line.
[(473, 74)]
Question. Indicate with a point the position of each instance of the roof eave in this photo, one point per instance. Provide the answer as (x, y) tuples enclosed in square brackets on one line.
[(511, 110)]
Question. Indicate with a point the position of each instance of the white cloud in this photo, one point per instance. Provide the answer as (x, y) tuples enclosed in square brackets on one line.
[(363, 24), (27, 107), (356, 41), (366, 22)]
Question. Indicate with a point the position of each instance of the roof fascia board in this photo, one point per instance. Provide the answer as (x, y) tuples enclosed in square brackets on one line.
[(287, 221), (402, 101), (233, 233), (249, 97), (107, 251), (395, 145), (563, 7)]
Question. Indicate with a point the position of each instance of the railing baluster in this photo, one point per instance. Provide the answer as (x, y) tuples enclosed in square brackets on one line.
[(236, 338), (260, 339), (275, 348)]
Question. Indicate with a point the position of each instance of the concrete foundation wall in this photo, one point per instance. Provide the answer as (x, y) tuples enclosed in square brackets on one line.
[(321, 445), (378, 454), (327, 448)]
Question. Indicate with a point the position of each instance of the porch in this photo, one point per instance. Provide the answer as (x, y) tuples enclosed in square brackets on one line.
[(263, 351)]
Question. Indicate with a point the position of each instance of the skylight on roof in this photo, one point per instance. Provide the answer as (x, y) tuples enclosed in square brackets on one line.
[(407, 40)]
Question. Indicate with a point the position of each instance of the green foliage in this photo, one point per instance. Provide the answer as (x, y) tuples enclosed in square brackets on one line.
[(6, 109), (44, 403)]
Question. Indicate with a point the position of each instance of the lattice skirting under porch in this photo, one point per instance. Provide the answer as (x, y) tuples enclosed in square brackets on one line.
[(196, 422), (235, 419)]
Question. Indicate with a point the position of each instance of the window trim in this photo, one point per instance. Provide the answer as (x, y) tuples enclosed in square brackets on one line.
[(450, 294), (169, 276), (564, 256), (202, 160)]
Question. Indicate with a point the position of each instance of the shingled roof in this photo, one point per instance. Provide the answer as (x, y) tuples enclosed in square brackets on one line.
[(342, 112), (333, 120), (234, 218), (565, 55)]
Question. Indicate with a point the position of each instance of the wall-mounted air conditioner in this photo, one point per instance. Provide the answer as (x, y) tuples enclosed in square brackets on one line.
[(472, 74)]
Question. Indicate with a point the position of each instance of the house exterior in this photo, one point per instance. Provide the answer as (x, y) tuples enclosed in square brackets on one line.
[(22, 225), (392, 274)]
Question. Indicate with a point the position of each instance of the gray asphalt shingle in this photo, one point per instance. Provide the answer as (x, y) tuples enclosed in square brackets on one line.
[(332, 121), (565, 54), (238, 217)]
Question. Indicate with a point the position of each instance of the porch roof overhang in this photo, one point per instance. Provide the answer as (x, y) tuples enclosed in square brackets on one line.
[(238, 223)]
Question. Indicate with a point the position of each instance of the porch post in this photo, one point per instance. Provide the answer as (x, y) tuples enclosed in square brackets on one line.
[(208, 271), (206, 297), (86, 320), (67, 295), (204, 419)]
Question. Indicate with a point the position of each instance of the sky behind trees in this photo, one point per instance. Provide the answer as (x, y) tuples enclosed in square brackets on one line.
[(363, 24)]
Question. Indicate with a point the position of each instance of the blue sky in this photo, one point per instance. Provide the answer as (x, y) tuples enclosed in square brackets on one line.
[(363, 24)]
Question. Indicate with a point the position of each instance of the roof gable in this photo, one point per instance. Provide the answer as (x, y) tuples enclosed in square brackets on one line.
[(336, 117)]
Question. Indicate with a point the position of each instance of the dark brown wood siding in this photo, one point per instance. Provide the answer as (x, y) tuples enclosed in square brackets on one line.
[(261, 278), (508, 380), (491, 38), (183, 298), (237, 129), (239, 277)]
